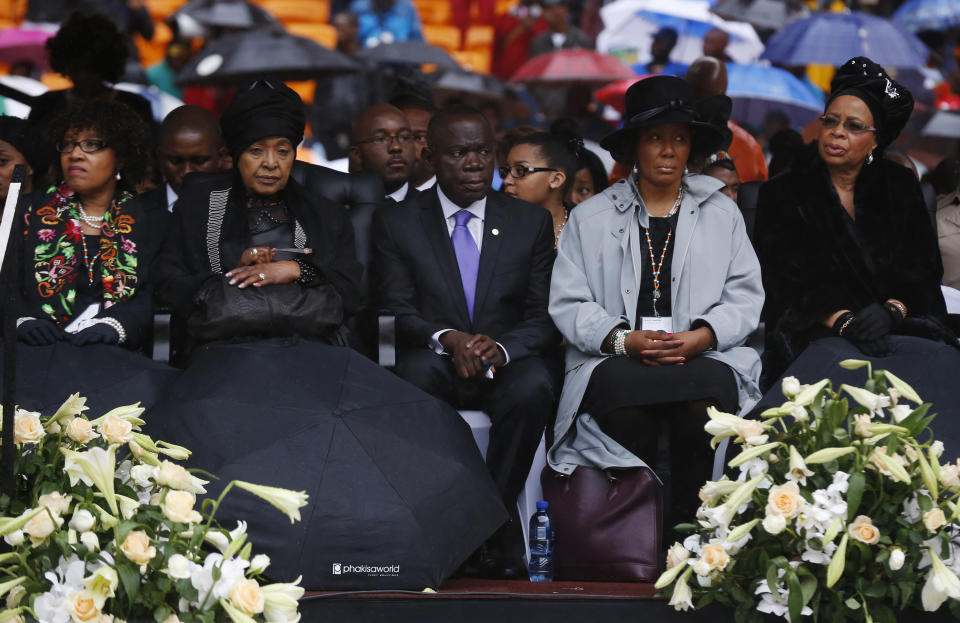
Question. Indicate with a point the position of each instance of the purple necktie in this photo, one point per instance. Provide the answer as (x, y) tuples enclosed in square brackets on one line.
[(468, 257)]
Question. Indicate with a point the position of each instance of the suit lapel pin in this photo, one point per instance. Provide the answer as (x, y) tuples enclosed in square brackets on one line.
[(495, 231)]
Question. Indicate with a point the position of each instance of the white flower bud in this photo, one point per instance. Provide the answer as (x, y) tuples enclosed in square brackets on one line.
[(82, 520), (896, 559)]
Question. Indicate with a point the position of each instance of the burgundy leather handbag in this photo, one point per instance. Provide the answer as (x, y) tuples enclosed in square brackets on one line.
[(606, 523)]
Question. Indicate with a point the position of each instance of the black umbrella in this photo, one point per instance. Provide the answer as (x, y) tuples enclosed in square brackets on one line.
[(399, 494), (251, 54), (409, 53), (456, 82), (107, 376), (769, 14), (239, 14)]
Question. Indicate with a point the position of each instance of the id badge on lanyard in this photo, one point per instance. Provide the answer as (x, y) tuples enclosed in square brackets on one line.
[(657, 323)]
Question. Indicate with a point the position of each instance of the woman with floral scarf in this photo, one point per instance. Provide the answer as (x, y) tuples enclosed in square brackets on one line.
[(83, 266)]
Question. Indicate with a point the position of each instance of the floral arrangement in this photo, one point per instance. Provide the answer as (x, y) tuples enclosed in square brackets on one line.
[(103, 529), (839, 512)]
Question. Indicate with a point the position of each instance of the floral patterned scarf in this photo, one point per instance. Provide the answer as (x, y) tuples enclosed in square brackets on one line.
[(56, 242)]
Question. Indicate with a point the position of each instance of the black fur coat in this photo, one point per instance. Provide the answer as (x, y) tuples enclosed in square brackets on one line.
[(817, 260)]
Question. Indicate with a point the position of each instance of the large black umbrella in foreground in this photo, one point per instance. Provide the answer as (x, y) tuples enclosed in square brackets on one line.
[(107, 376), (263, 52), (399, 494), (239, 14), (409, 53)]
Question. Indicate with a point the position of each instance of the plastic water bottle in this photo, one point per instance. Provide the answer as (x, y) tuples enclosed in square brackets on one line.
[(541, 545)]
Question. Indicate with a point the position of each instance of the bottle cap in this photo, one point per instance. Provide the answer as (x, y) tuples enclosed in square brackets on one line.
[(542, 506)]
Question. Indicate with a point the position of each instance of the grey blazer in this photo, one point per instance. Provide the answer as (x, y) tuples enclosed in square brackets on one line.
[(715, 276)]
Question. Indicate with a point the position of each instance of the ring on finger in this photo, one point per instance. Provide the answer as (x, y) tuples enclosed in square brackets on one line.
[(254, 251), (262, 276)]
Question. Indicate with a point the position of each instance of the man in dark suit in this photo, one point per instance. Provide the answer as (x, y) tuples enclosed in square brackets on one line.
[(466, 272), (383, 144)]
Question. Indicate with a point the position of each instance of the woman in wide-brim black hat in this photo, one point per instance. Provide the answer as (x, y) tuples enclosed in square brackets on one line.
[(656, 287)]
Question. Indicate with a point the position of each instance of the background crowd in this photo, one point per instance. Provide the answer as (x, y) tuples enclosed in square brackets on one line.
[(587, 265)]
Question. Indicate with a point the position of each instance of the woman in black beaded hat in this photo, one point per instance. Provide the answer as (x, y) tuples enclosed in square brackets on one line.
[(847, 248)]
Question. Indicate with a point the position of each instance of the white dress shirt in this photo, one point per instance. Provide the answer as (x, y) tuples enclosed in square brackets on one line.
[(475, 227), (428, 184), (171, 197), (401, 193)]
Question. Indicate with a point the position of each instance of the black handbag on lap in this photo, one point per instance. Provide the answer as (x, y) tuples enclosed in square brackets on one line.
[(607, 523), (225, 311)]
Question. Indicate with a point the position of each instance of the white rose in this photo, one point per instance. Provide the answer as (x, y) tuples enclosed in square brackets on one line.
[(247, 597), (677, 555), (136, 547), (936, 448), (702, 567), (178, 507), (90, 541), (81, 430), (715, 556), (40, 527), (142, 474), (950, 476), (82, 607), (14, 538), (173, 618), (751, 432), (863, 530), (116, 430), (58, 503), (790, 386), (784, 500), (83, 520), (862, 422), (896, 559), (774, 523), (933, 519), (178, 567), (27, 427)]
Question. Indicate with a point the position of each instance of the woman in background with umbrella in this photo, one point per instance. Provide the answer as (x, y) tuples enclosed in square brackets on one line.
[(265, 274), (84, 276), (847, 248)]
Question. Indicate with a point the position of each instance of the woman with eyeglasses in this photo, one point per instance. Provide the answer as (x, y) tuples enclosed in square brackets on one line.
[(845, 242), (540, 169), (84, 270)]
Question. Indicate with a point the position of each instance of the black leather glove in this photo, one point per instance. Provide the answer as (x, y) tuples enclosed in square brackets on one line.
[(39, 332), (870, 323), (879, 347), (96, 334)]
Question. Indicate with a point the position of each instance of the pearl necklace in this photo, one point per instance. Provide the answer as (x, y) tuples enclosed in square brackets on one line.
[(95, 222)]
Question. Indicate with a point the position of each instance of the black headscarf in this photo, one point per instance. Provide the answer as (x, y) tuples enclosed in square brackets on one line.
[(889, 102), (27, 141), (263, 109)]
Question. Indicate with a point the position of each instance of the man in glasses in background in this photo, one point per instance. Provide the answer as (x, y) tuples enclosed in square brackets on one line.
[(383, 143), (466, 273)]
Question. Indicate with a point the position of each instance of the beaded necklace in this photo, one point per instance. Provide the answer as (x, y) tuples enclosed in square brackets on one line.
[(559, 230), (88, 262), (654, 266)]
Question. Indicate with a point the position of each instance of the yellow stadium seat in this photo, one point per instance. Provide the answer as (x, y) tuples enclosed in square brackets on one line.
[(441, 35), (434, 11), (478, 61), (324, 34), (478, 38), (292, 11)]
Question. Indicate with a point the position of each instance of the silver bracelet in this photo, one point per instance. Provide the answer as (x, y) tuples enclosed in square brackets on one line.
[(24, 319), (114, 324), (620, 342)]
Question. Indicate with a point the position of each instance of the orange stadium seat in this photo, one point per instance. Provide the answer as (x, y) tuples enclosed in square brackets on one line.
[(442, 35), (478, 38), (478, 61), (13, 10), (153, 51), (504, 6), (324, 34), (304, 88), (434, 11), (293, 11), (161, 9)]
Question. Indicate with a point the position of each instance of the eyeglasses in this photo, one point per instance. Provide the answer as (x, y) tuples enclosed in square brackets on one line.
[(518, 171), (829, 122), (89, 146), (384, 139)]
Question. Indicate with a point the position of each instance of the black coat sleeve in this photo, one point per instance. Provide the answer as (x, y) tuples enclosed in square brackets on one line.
[(177, 276), (341, 267)]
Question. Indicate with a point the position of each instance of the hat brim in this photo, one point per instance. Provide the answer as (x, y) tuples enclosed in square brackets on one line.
[(621, 144)]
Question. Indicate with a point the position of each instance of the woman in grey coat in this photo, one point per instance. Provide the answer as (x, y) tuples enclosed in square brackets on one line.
[(656, 288)]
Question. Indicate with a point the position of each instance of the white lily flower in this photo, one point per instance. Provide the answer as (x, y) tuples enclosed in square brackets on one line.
[(873, 402), (289, 502), (73, 406), (798, 469), (682, 598), (941, 584), (280, 602), (95, 467)]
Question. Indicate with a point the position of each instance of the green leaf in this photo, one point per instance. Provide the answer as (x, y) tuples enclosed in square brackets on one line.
[(162, 613), (130, 579), (913, 422), (875, 589), (882, 613), (855, 488), (772, 580), (852, 603), (795, 600)]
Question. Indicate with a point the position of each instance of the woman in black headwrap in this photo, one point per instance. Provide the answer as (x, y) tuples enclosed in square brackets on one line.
[(847, 249), (21, 144), (264, 275)]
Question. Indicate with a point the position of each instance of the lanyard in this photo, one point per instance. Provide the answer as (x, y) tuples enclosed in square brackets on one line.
[(654, 266)]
